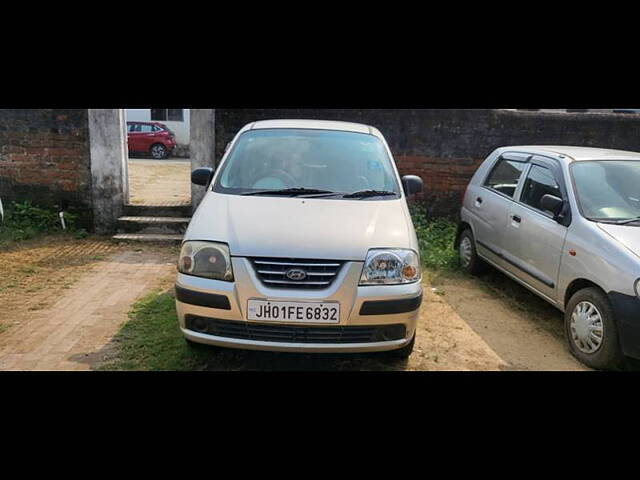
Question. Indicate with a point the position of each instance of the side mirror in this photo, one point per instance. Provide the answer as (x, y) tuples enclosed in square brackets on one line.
[(551, 203), (202, 176), (412, 184)]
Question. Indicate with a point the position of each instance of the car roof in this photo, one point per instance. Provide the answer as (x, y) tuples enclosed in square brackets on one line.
[(314, 124), (570, 153)]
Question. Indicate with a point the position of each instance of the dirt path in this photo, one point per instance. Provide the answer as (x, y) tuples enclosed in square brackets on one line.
[(79, 315), (155, 182)]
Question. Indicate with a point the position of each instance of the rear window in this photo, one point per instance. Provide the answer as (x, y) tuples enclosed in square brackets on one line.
[(505, 176)]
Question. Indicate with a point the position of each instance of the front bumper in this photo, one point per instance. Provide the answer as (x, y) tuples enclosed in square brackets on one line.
[(370, 306)]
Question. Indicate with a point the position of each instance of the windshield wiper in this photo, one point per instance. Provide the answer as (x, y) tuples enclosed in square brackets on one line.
[(369, 193), (296, 191), (628, 220), (616, 222)]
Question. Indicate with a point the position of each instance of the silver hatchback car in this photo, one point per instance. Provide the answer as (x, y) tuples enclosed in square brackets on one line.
[(565, 223), (304, 243)]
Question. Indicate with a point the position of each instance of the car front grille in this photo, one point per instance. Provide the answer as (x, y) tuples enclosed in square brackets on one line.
[(318, 274), (294, 333)]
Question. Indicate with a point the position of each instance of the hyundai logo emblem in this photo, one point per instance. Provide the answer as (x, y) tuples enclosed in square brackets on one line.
[(296, 274)]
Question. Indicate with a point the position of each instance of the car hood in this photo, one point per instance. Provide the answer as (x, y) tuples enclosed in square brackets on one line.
[(256, 226), (627, 235)]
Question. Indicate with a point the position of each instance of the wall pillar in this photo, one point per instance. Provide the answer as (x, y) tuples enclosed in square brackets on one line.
[(108, 167), (202, 146)]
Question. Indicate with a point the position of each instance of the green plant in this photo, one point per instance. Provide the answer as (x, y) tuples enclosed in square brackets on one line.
[(23, 220), (435, 239)]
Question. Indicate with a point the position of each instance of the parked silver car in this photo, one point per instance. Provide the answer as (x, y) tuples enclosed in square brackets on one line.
[(303, 242), (565, 223)]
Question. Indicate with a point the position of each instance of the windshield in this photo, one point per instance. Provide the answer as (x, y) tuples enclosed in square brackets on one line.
[(320, 161), (608, 190)]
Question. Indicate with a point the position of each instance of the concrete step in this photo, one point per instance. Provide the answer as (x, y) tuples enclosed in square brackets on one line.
[(134, 224), (157, 211), (148, 237)]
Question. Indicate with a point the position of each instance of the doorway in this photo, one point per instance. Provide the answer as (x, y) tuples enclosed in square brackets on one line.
[(158, 157)]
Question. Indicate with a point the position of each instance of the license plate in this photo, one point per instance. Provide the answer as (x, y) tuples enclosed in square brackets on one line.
[(303, 312)]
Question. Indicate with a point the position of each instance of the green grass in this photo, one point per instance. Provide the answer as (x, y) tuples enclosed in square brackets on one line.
[(151, 339), (435, 239)]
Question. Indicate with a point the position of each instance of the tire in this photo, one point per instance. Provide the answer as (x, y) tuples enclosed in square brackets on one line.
[(404, 352), (159, 151), (593, 314), (467, 254)]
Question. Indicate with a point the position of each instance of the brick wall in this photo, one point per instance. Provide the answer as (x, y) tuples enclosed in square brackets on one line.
[(445, 147), (45, 154), (44, 157)]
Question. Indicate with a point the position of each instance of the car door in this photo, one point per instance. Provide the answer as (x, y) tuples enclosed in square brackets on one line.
[(491, 203), (147, 137), (534, 239), (133, 137)]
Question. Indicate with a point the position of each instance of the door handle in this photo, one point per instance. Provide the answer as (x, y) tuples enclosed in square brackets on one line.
[(516, 218), (478, 202)]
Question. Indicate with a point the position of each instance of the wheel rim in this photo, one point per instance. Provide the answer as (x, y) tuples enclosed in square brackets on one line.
[(157, 151), (587, 327), (466, 251)]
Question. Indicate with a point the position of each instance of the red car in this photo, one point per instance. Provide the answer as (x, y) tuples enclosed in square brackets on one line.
[(150, 137)]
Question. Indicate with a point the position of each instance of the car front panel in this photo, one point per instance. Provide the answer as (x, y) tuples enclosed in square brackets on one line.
[(360, 306)]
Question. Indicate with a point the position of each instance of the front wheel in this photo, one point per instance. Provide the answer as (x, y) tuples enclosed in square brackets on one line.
[(468, 255), (159, 151), (591, 330)]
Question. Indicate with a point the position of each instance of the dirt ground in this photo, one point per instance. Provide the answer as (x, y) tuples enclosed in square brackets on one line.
[(489, 323), (64, 299), (159, 182)]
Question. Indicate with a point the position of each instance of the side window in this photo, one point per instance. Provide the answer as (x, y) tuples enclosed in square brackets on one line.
[(505, 176), (135, 127), (539, 183), (146, 128)]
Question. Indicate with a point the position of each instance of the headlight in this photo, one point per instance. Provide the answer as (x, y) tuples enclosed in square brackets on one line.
[(206, 259), (391, 267), (638, 287)]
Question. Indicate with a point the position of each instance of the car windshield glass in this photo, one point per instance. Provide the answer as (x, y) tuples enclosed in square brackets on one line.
[(326, 160), (608, 190)]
